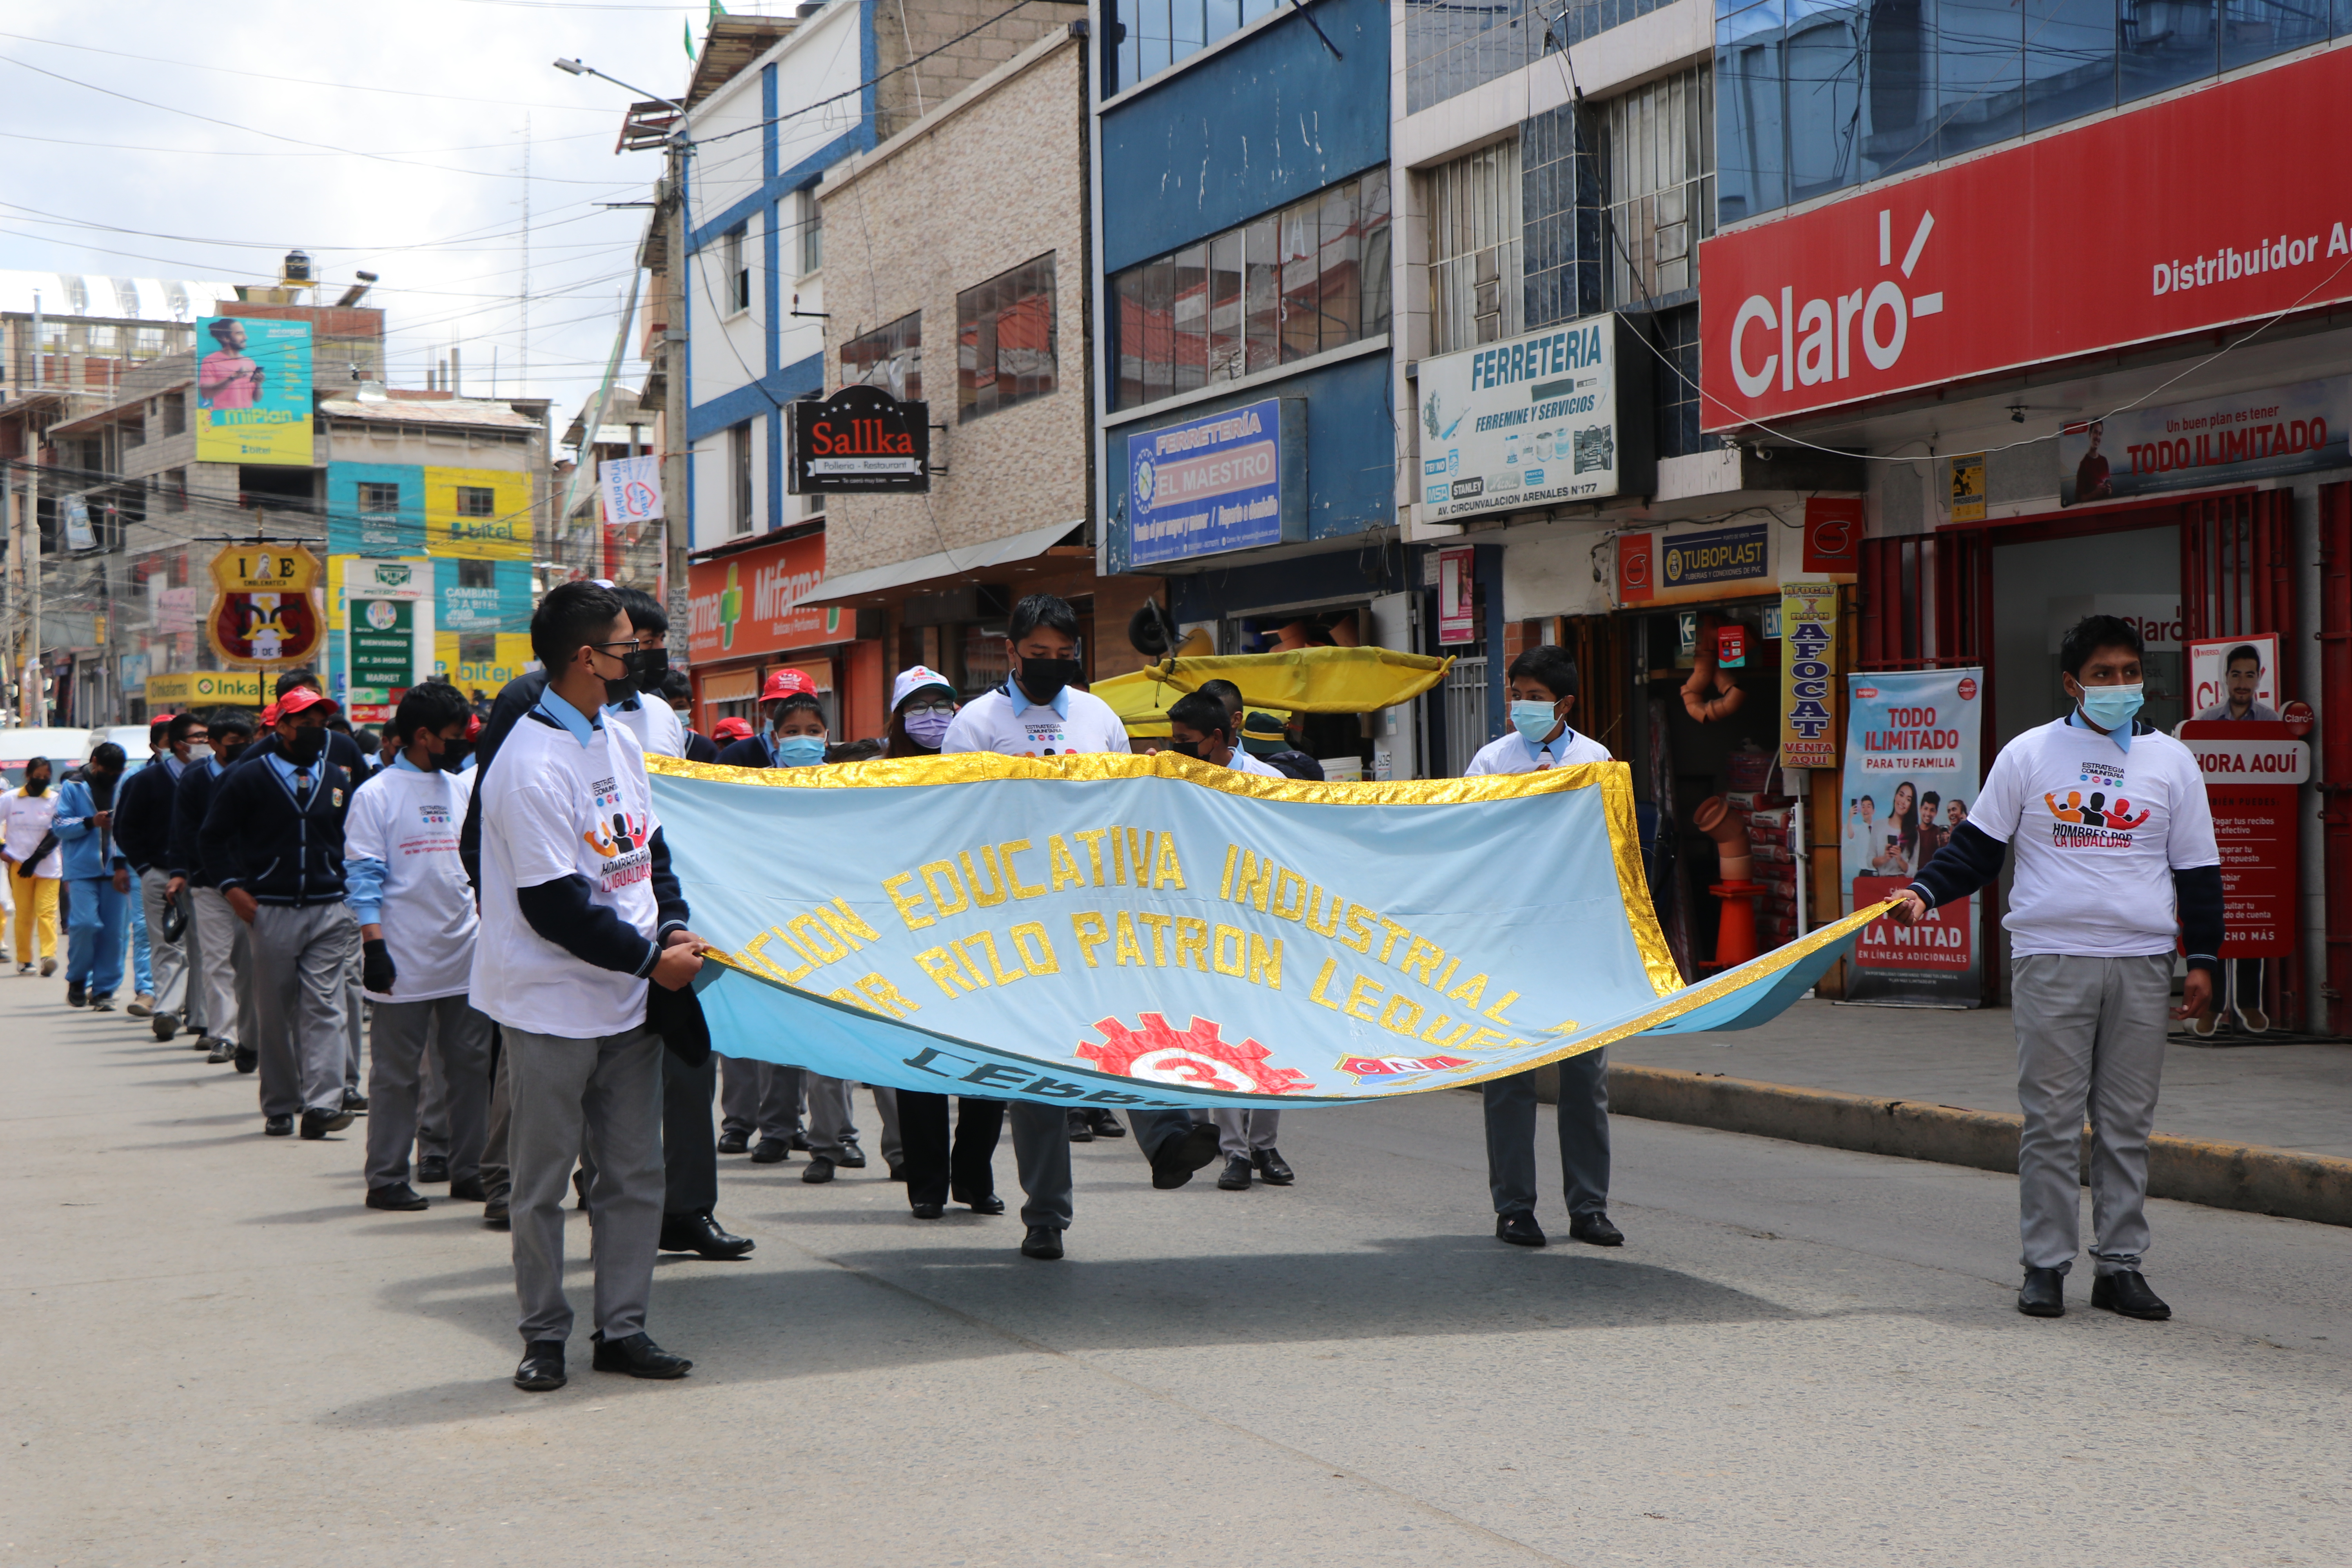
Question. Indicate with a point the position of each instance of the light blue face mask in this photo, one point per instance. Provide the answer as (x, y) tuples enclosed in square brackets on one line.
[(2111, 708), (799, 750), (1533, 720)]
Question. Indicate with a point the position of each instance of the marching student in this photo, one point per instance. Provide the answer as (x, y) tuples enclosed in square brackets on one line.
[(142, 969), (219, 1002), (30, 852), (1201, 727), (581, 919), (1039, 712), (2115, 858), (143, 830), (98, 878), (1542, 685), (647, 710), (417, 921), (274, 831)]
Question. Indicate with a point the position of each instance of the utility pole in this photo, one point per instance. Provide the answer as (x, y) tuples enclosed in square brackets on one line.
[(677, 517), (33, 672)]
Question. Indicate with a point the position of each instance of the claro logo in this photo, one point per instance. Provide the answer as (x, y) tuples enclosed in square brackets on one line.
[(1816, 339)]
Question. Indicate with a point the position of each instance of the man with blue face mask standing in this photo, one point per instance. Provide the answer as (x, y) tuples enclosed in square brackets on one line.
[(2115, 858), (1542, 687)]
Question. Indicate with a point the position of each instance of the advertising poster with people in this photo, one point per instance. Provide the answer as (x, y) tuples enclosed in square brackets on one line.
[(1911, 776), (253, 390)]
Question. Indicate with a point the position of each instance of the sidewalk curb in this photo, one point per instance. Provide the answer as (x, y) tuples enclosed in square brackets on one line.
[(2248, 1176)]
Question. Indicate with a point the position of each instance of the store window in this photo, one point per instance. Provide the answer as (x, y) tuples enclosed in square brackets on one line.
[(1306, 279), (477, 574), (1660, 142), (1475, 234), (812, 234), (738, 478), (735, 276), (1156, 34), (175, 412), (1451, 48), (477, 648), (375, 500), (888, 357), (475, 501), (1005, 340)]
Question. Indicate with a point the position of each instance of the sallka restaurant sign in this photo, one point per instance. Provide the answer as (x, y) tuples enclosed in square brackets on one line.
[(859, 441)]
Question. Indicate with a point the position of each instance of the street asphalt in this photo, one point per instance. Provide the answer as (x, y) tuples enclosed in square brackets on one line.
[(1801, 1357)]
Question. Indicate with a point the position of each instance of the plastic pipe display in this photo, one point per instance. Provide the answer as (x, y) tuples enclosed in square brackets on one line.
[(1720, 823)]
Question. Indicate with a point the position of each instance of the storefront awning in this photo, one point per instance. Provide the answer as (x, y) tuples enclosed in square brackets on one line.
[(1303, 681), (950, 563)]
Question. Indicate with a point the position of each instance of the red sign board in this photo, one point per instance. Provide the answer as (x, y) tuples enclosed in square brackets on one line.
[(2251, 769), (1834, 534), (1637, 581), (1943, 944), (750, 603), (2221, 207)]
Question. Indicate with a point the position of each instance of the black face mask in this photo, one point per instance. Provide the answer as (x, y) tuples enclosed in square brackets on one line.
[(1043, 679), (228, 751), (306, 746), (38, 785), (1186, 749), (651, 668), (453, 754)]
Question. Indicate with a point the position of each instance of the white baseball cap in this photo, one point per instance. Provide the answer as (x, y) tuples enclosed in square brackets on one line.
[(913, 680)]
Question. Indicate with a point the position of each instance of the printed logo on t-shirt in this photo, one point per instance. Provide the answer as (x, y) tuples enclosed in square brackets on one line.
[(2092, 822), (434, 813), (2107, 776), (620, 837), (1047, 737)]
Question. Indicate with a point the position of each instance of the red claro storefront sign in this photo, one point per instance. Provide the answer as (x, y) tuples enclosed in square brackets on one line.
[(2222, 206)]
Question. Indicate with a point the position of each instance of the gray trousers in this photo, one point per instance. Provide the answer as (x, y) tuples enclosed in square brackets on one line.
[(831, 1122), (608, 1091), (216, 983), (1583, 1116), (2090, 1037), (1241, 1133), (167, 962), (400, 1032), (299, 958), (498, 1181), (759, 1099), (1041, 1151), (432, 1101), (354, 1010)]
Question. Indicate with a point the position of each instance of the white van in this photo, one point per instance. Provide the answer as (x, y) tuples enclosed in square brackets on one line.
[(131, 738), (64, 748)]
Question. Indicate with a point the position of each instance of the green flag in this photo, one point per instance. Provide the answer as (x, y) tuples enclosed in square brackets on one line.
[(690, 38)]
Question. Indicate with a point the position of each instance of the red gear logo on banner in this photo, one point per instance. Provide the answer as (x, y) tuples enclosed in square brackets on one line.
[(1194, 1057)]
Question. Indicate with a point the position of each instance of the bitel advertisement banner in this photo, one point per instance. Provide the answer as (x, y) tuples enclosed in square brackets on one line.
[(2222, 206), (1911, 776)]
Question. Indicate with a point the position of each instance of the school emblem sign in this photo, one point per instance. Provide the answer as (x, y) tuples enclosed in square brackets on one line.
[(265, 611)]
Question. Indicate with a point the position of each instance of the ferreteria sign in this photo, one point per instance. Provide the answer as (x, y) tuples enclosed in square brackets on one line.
[(1560, 414), (859, 441)]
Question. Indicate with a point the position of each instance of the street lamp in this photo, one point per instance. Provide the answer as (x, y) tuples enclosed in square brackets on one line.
[(578, 67)]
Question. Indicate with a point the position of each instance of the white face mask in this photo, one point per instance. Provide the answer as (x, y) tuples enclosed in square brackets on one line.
[(200, 752)]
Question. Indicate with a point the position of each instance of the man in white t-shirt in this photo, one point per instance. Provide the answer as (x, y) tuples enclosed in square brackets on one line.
[(2115, 859), (659, 731), (580, 917), (417, 923), (1542, 685), (1038, 713)]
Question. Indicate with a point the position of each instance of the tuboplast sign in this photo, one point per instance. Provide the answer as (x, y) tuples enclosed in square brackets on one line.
[(2222, 206)]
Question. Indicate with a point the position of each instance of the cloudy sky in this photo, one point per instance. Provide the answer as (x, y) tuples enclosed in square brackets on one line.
[(162, 139)]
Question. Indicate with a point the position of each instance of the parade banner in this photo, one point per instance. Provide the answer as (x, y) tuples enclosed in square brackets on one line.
[(1155, 931), (1911, 775)]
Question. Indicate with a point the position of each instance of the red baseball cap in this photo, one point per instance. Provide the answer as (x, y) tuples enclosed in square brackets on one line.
[(301, 700), (787, 683), (268, 714), (473, 726), (731, 729)]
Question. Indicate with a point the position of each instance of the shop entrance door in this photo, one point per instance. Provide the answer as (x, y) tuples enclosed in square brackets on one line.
[(2041, 586)]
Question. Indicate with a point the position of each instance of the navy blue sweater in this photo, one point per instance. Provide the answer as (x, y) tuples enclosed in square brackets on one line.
[(255, 837)]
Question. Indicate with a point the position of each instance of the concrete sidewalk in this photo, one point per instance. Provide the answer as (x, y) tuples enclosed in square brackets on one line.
[(2286, 1096)]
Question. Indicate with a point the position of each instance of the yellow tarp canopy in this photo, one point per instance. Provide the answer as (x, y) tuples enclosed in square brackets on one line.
[(1303, 681)]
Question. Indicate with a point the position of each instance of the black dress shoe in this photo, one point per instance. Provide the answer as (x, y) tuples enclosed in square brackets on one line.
[(77, 994), (202, 1039), (819, 1170), (1518, 1229), (851, 1158), (399, 1197), (1235, 1177), (165, 1026), (1178, 1158), (2043, 1294), (494, 1217), (1082, 1127), (1275, 1168), (353, 1100), (989, 1204), (217, 1051), (701, 1233), (772, 1152), (800, 1144), (245, 1057), (101, 1002), (2125, 1292), (1041, 1242), (468, 1190), (927, 1211), (316, 1124), (433, 1170), (277, 1126), (734, 1143), (638, 1356), (1594, 1230), (1107, 1124), (541, 1371)]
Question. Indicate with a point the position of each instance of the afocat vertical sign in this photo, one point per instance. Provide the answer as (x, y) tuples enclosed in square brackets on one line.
[(1808, 675)]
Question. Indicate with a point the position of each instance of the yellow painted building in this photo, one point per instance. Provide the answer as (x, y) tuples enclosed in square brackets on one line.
[(478, 514)]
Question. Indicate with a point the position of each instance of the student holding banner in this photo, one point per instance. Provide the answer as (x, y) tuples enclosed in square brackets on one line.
[(1039, 712), (1542, 687), (2112, 836)]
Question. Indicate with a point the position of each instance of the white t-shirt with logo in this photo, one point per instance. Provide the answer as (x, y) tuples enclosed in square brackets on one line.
[(409, 820), (2097, 832), (990, 724), (1511, 755), (552, 808)]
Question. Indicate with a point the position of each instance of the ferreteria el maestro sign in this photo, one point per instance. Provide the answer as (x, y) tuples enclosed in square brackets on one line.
[(859, 441), (1536, 419)]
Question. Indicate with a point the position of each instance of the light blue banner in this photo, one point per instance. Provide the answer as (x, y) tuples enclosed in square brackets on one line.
[(1155, 931)]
